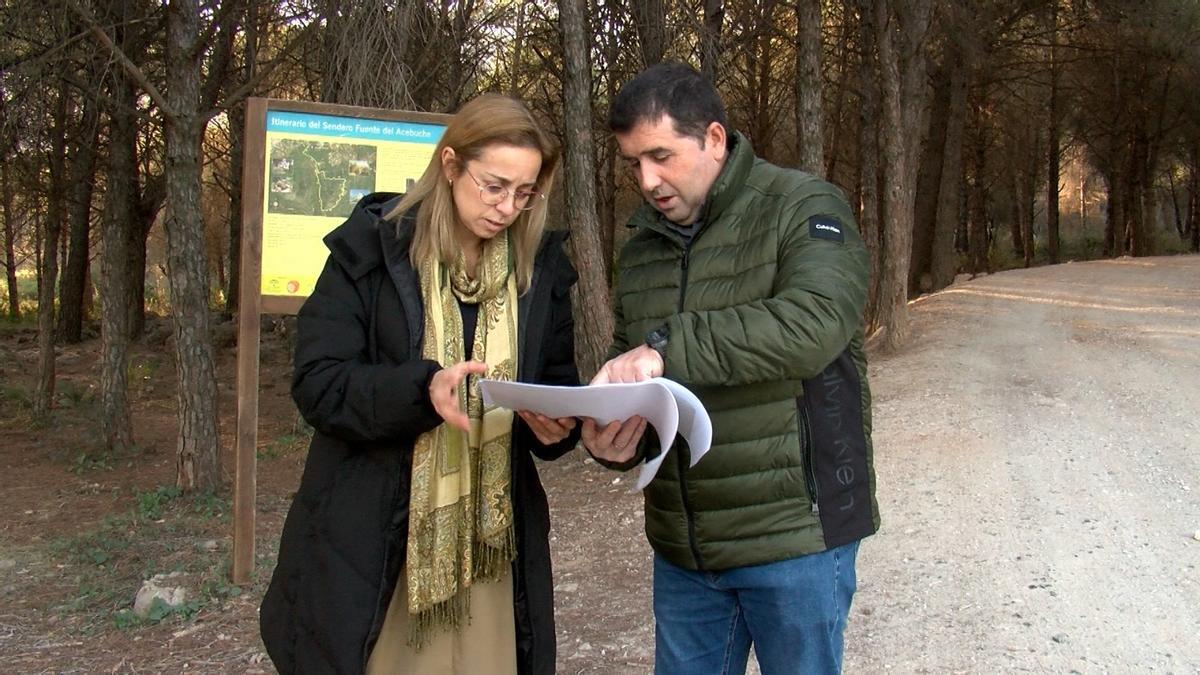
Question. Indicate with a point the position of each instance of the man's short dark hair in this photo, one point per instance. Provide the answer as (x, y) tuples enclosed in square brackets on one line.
[(668, 88)]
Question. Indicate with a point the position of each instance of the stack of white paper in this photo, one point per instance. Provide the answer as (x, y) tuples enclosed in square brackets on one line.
[(668, 407)]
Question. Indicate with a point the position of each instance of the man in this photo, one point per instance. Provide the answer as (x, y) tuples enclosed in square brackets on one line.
[(746, 283)]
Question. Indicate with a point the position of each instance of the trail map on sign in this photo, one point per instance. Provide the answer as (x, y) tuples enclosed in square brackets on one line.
[(317, 168), (314, 178)]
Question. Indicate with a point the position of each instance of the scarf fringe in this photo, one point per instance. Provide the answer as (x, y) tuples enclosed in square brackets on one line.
[(447, 615)]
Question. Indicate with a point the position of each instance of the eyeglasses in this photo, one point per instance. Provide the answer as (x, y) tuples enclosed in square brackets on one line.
[(494, 193)]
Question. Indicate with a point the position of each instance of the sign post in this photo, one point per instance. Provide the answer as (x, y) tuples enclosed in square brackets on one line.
[(306, 166)]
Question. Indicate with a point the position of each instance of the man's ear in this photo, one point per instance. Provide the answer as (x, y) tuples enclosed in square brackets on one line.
[(714, 138), (449, 163)]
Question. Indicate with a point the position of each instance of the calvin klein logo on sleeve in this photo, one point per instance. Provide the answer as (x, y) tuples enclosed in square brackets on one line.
[(826, 227)]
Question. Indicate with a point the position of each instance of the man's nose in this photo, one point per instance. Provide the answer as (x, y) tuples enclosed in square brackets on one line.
[(649, 179)]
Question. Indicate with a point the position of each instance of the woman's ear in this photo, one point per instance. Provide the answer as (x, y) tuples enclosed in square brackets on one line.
[(449, 164)]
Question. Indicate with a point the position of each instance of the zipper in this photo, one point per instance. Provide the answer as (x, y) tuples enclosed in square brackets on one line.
[(684, 274), (806, 452), (683, 492)]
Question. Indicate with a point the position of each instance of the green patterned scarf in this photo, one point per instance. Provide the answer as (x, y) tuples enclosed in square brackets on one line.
[(460, 512)]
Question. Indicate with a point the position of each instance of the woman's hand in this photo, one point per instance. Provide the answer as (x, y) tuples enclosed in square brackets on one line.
[(547, 429), (443, 391)]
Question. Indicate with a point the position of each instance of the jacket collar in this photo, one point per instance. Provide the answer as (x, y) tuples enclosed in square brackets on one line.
[(355, 243)]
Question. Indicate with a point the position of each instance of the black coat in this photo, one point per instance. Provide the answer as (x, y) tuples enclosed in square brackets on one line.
[(361, 383)]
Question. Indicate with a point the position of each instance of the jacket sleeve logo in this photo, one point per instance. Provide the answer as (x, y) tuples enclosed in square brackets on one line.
[(826, 227)]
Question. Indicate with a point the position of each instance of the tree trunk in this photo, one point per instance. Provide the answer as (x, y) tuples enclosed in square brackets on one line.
[(944, 257), (71, 304), (607, 182), (929, 180), (977, 228), (1114, 221), (462, 18), (710, 38), (810, 137), (145, 213), (901, 39), (198, 466), (10, 242), (1142, 223), (43, 397), (650, 18), (764, 120), (1054, 150), (1028, 197), (518, 47), (237, 134), (1193, 218), (593, 315), (117, 220), (867, 204), (846, 70), (1016, 221)]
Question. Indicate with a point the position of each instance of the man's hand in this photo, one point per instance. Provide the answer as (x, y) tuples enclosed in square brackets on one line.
[(443, 391), (617, 442), (547, 429), (635, 365)]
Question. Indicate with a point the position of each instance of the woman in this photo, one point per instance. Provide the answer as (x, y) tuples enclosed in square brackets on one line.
[(418, 540)]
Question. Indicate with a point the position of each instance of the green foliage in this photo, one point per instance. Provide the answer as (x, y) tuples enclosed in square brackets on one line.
[(27, 301), (98, 547), (71, 394), (11, 394), (211, 505), (159, 611), (150, 504), (91, 461), (140, 372), (110, 561)]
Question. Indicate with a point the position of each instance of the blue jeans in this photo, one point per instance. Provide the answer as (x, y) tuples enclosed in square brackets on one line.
[(793, 611)]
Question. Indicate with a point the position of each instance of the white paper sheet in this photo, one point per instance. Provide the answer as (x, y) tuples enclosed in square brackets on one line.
[(666, 405)]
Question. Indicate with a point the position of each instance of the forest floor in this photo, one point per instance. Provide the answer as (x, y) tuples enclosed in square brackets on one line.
[(1038, 461)]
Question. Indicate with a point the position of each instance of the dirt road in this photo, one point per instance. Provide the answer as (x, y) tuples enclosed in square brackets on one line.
[(1038, 459)]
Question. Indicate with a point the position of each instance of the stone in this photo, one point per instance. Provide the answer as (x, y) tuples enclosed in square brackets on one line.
[(156, 587)]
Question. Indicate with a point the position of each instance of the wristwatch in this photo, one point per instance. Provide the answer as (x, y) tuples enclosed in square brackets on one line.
[(657, 340)]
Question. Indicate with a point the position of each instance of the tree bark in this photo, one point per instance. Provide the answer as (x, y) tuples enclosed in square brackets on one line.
[(117, 220), (237, 138), (650, 18), (198, 466), (146, 208), (71, 303), (867, 204), (594, 320), (10, 242), (43, 396), (929, 180), (901, 36), (944, 257), (458, 33), (1053, 149), (710, 38), (810, 136), (1193, 218), (977, 228)]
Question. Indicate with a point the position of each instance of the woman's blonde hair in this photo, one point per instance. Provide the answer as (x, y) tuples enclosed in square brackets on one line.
[(484, 121)]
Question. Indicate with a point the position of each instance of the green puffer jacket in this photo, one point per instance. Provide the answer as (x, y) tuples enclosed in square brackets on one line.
[(764, 309)]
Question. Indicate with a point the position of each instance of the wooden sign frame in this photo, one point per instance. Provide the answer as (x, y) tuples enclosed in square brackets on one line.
[(253, 303)]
